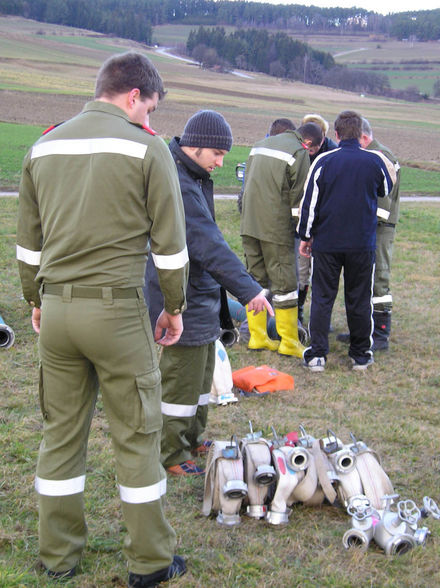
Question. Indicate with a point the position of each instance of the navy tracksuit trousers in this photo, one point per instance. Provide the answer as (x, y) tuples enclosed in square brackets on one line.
[(358, 269)]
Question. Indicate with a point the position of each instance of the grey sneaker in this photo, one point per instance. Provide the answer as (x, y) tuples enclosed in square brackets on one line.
[(359, 367), (316, 364)]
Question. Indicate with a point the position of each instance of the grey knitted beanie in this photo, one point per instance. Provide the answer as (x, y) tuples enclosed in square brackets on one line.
[(207, 128)]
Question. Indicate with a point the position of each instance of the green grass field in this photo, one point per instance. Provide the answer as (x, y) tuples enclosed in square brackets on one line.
[(16, 139), (393, 407)]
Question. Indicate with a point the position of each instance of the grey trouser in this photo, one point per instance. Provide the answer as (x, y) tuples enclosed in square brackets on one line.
[(382, 299), (273, 266), (85, 343), (186, 384)]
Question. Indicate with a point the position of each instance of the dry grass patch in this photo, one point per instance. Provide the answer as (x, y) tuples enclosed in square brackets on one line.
[(393, 407)]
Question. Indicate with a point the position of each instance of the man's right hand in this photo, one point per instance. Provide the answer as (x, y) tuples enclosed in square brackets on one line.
[(173, 326), (305, 248)]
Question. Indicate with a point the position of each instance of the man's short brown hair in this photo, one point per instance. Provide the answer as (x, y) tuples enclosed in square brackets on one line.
[(121, 73), (312, 132), (348, 125), (280, 125)]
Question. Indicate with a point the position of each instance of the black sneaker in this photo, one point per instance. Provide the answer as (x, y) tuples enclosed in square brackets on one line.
[(177, 568)]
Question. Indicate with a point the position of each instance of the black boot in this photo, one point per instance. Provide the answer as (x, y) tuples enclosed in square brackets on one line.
[(177, 568), (302, 295), (382, 329)]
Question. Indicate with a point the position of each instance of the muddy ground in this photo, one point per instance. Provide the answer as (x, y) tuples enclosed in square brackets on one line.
[(421, 145)]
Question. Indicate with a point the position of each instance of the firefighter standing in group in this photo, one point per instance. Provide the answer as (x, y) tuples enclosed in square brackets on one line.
[(94, 190), (275, 174)]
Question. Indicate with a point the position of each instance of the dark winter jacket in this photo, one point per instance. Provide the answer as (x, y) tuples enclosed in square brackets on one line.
[(212, 262), (339, 206), (327, 145)]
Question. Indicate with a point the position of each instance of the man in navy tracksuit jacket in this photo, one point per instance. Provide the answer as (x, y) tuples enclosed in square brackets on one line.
[(338, 227)]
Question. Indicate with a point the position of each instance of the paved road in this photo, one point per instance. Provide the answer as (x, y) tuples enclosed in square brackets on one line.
[(414, 198)]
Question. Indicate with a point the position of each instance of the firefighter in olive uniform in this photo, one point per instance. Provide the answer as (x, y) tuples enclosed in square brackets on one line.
[(94, 190), (385, 231), (275, 174)]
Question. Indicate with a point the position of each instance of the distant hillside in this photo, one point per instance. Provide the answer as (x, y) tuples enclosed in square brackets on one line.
[(135, 19)]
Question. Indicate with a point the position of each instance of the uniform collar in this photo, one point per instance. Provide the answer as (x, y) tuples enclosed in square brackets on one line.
[(108, 108)]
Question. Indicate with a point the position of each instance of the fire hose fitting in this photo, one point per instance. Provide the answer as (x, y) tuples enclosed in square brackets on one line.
[(7, 336)]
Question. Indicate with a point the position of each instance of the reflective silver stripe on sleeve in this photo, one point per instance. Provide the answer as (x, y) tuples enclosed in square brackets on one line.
[(285, 297), (179, 410), (171, 262), (382, 213), (144, 494), (287, 157), (28, 256), (60, 487), (89, 147), (295, 211), (382, 299), (204, 399)]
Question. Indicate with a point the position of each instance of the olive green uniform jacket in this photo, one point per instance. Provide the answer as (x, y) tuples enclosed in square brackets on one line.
[(77, 226), (275, 174)]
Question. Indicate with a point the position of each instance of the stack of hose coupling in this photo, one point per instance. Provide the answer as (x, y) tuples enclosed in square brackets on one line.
[(262, 478)]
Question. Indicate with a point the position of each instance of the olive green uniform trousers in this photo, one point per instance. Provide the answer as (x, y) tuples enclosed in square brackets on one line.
[(187, 374), (273, 266), (382, 299), (86, 343)]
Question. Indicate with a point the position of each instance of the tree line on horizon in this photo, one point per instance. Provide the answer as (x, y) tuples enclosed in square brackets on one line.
[(278, 55), (135, 19), (252, 46)]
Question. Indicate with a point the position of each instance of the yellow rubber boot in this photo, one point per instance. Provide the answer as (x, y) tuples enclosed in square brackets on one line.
[(259, 339), (287, 327)]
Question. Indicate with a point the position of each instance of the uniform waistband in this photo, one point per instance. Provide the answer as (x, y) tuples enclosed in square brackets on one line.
[(89, 291)]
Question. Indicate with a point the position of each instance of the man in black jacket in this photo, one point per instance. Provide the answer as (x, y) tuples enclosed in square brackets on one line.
[(187, 369)]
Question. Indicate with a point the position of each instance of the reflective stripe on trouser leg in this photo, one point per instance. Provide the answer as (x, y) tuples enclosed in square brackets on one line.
[(115, 335), (67, 391), (382, 299), (186, 381)]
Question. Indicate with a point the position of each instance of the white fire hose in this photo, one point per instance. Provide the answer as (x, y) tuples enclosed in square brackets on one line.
[(259, 473), (287, 480), (224, 483)]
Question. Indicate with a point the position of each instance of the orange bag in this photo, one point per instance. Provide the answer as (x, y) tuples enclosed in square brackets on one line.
[(261, 380)]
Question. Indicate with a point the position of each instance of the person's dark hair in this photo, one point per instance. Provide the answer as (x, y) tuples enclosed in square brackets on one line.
[(313, 132), (348, 125), (280, 125), (121, 73)]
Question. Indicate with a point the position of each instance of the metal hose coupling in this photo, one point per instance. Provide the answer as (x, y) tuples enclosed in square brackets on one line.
[(229, 337), (7, 335), (344, 460), (298, 459), (397, 532), (364, 518), (430, 507)]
